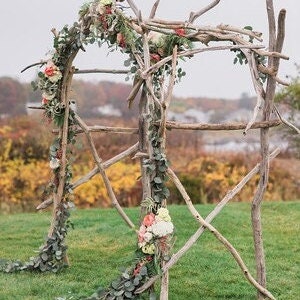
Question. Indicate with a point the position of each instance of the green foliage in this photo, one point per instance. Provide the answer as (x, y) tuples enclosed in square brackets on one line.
[(157, 165), (242, 59), (52, 255), (290, 96)]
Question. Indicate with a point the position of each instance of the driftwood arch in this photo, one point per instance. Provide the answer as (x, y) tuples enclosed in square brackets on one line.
[(154, 47)]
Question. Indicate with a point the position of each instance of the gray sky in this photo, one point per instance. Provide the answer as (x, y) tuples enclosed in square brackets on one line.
[(26, 38)]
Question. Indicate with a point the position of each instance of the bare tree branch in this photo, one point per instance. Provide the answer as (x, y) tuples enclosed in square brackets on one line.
[(154, 8), (195, 15), (285, 121), (108, 71)]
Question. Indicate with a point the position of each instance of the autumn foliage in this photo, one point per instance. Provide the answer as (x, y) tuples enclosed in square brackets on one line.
[(25, 172)]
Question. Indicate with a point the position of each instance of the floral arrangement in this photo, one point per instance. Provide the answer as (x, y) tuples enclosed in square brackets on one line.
[(155, 232), (154, 239)]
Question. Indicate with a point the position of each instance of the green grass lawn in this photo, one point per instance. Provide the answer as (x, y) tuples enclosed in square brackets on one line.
[(101, 243)]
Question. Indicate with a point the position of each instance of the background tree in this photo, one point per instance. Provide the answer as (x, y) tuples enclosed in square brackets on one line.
[(12, 97), (290, 97)]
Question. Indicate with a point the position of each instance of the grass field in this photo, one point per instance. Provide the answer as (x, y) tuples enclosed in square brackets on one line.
[(101, 243)]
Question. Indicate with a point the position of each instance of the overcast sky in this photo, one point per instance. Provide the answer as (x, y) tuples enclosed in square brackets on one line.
[(26, 38)]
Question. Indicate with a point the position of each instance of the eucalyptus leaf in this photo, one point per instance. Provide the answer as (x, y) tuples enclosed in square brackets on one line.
[(119, 293)]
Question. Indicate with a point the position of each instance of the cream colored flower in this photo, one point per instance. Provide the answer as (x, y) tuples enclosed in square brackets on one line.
[(106, 2), (162, 228), (163, 214), (155, 37), (148, 237), (149, 249), (48, 96)]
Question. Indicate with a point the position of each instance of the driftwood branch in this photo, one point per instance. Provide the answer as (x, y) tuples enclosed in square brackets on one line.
[(195, 15), (192, 52), (184, 126), (258, 87), (219, 236), (108, 186), (58, 195), (273, 63), (107, 129), (45, 204), (134, 8), (228, 126), (285, 121), (107, 71), (153, 10), (41, 63), (105, 165)]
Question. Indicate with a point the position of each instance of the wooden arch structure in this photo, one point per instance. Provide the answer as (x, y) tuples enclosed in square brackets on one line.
[(154, 47)]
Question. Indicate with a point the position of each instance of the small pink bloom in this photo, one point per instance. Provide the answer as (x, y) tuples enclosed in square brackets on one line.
[(44, 101), (148, 220), (49, 71), (155, 57), (121, 40), (180, 31), (108, 10), (141, 234), (137, 269)]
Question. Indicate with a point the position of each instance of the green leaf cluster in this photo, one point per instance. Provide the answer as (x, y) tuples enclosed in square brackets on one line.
[(52, 254)]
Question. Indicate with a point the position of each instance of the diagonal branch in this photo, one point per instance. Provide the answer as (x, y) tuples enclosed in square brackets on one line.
[(219, 236), (134, 8), (107, 183), (285, 121), (105, 165)]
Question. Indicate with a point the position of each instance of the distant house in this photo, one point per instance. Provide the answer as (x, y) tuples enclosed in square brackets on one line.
[(190, 115), (109, 110), (239, 115)]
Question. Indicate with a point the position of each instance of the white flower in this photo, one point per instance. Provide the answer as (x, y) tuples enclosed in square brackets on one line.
[(155, 37), (162, 228), (48, 96), (57, 76), (163, 214), (148, 237), (54, 163)]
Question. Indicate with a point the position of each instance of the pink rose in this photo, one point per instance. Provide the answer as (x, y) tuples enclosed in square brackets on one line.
[(180, 31), (44, 101), (148, 220), (49, 71), (155, 57)]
